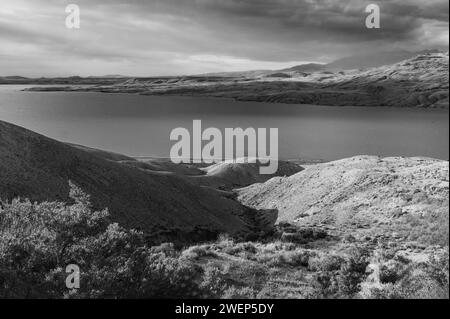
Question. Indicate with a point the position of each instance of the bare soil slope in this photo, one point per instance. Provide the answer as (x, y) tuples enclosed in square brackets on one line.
[(402, 197)]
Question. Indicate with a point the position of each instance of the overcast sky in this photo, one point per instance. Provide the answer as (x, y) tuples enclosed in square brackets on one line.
[(170, 37)]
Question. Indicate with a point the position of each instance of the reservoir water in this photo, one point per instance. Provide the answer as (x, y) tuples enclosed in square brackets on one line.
[(140, 125)]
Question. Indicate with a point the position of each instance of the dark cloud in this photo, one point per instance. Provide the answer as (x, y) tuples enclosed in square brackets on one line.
[(171, 34)]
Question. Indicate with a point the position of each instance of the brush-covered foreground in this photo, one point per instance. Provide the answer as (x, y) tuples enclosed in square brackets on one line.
[(38, 240)]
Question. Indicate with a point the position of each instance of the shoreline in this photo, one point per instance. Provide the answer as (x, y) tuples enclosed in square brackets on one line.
[(50, 88)]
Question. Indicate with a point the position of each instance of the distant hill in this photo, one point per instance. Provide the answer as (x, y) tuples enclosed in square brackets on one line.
[(238, 74), (372, 60), (71, 80), (357, 61), (420, 81), (309, 67), (163, 205)]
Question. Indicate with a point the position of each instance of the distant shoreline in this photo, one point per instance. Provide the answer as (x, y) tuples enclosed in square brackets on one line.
[(95, 89), (420, 82)]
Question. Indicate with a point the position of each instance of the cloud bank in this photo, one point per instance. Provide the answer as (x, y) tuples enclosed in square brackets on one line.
[(172, 37)]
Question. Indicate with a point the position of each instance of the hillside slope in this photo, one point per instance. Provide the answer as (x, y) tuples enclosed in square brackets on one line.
[(375, 59), (420, 81), (361, 194), (235, 174), (33, 166), (224, 175)]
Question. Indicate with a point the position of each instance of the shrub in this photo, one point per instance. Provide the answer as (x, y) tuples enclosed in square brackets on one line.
[(214, 281), (431, 228), (326, 262), (400, 280), (197, 252), (296, 258), (37, 242), (340, 276), (246, 249), (239, 293)]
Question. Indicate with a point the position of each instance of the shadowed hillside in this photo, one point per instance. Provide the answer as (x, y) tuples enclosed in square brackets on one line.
[(225, 175), (33, 166)]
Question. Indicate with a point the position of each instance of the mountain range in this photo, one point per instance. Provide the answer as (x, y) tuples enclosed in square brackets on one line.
[(420, 81)]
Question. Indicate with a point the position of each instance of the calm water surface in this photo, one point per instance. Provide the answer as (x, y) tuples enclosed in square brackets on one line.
[(140, 125)]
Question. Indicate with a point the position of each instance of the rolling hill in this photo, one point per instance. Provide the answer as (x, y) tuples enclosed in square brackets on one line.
[(374, 60), (363, 194), (164, 206)]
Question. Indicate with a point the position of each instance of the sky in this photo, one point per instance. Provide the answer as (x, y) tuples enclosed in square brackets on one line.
[(176, 37)]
